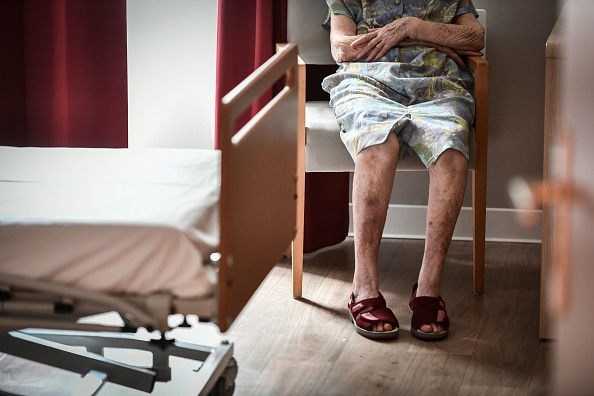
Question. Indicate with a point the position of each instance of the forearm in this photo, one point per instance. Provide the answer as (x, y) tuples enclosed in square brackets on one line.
[(465, 34), (342, 34)]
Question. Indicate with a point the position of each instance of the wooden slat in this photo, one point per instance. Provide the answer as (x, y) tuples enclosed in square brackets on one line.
[(258, 170)]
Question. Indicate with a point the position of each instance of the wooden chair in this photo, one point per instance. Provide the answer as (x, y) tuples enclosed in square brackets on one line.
[(321, 150)]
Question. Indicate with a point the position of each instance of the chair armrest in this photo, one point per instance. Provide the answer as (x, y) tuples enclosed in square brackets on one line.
[(480, 69), (477, 64)]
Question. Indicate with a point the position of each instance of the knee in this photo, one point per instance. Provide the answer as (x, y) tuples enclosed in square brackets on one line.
[(383, 155), (450, 161)]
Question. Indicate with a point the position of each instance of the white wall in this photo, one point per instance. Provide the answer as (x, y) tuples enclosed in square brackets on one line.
[(171, 73)]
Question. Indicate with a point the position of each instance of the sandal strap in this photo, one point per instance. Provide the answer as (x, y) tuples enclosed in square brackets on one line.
[(370, 311), (428, 310)]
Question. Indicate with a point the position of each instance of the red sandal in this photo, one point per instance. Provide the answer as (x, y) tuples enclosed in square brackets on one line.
[(427, 310), (366, 312)]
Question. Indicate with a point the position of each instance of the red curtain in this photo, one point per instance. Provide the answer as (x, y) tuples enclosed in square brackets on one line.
[(326, 210), (64, 73), (12, 83), (247, 33)]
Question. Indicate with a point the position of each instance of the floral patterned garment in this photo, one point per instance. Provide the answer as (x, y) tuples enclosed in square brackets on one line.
[(414, 91)]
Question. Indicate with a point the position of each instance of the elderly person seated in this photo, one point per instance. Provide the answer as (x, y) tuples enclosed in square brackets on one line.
[(402, 89)]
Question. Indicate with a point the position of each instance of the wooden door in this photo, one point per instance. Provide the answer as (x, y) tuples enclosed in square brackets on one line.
[(574, 358)]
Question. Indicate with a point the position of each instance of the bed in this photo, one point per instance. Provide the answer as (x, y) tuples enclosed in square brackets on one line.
[(148, 233)]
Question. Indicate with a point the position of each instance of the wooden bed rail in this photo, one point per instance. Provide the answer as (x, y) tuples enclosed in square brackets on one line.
[(258, 182), (250, 89)]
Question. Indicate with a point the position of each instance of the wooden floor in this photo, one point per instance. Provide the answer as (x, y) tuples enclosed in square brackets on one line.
[(308, 347)]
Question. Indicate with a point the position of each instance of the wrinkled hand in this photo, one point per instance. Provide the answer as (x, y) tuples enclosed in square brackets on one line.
[(344, 50), (378, 41)]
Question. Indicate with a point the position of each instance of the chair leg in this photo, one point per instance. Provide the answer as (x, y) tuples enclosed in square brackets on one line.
[(297, 259), (297, 253), (297, 246), (479, 220)]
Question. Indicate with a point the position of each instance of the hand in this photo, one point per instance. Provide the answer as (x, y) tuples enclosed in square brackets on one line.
[(377, 42), (404, 31), (343, 50)]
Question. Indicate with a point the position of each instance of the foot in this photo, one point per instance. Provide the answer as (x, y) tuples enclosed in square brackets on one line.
[(429, 327), (372, 319), (429, 316), (377, 325)]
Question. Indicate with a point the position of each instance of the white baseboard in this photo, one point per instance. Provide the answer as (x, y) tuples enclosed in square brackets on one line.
[(408, 222)]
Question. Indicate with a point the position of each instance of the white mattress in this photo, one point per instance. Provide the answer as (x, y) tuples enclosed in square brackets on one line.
[(132, 221)]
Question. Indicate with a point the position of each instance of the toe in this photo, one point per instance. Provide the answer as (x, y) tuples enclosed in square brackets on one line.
[(381, 326), (431, 328)]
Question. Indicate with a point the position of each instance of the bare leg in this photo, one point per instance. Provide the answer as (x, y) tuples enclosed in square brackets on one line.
[(446, 192), (372, 187)]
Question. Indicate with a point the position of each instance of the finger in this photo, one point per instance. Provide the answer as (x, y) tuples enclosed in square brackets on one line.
[(368, 49), (451, 53), (373, 55), (383, 52), (362, 50), (469, 53), (362, 53), (364, 39), (457, 59)]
